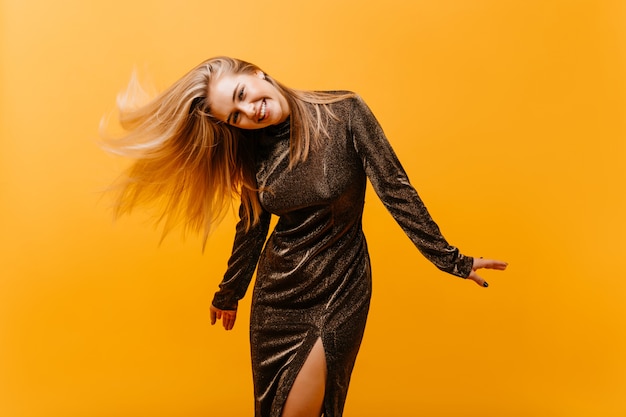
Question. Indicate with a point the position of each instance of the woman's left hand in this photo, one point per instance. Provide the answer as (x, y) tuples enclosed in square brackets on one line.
[(485, 263)]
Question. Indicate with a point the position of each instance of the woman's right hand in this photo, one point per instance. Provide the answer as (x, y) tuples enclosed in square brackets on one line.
[(485, 263), (228, 317)]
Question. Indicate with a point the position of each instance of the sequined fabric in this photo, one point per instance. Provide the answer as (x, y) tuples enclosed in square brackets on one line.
[(313, 278)]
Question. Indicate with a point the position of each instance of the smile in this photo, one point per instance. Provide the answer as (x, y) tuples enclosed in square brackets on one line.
[(263, 111)]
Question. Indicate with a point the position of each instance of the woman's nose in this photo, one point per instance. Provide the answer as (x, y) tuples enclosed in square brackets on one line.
[(248, 110)]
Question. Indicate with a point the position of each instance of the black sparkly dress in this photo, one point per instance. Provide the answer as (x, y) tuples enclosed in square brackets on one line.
[(313, 278)]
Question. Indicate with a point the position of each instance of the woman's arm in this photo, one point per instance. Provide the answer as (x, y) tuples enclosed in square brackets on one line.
[(392, 185), (247, 248)]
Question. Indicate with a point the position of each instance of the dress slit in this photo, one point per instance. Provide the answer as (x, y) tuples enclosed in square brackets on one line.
[(286, 381), (313, 387)]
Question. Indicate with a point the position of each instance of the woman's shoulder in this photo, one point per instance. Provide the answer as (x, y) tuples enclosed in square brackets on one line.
[(338, 94), (351, 101), (340, 98), (339, 102)]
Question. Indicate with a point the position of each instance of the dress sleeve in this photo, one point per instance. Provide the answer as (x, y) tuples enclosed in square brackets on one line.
[(392, 185), (242, 262)]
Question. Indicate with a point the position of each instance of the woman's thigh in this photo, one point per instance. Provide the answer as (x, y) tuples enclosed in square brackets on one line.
[(306, 397)]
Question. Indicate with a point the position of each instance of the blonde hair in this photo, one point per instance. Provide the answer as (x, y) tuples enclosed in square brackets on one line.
[(189, 164)]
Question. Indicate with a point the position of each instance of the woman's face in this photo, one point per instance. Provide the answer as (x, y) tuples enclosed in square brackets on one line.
[(247, 101)]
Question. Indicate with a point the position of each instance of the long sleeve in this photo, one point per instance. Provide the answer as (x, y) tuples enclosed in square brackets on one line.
[(392, 185), (247, 248)]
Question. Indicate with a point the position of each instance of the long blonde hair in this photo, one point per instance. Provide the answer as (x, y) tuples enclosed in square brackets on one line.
[(190, 165)]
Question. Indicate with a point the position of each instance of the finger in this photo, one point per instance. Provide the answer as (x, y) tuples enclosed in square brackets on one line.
[(478, 279), (229, 321), (489, 264), (215, 313), (494, 264), (499, 265), (230, 324)]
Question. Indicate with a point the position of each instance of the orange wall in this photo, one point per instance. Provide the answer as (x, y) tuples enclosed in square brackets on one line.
[(508, 115)]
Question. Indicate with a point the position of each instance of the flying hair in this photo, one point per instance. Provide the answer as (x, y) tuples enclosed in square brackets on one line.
[(186, 164)]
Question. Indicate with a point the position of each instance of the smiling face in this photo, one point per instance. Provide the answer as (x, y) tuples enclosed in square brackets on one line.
[(246, 101)]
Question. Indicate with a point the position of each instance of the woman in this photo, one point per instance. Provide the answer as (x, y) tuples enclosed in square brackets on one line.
[(228, 128)]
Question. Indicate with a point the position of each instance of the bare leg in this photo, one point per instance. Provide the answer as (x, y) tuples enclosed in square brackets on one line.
[(306, 397)]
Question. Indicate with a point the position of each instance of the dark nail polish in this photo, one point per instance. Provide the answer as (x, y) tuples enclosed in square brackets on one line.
[(485, 284)]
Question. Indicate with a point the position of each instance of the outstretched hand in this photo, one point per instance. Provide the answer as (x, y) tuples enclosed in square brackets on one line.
[(488, 264), (228, 317)]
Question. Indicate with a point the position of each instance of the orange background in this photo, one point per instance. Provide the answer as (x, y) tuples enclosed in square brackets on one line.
[(508, 115)]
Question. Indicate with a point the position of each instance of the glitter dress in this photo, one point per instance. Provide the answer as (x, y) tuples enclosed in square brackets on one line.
[(313, 278)]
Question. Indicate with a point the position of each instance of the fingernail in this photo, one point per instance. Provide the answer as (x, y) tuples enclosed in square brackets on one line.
[(485, 284)]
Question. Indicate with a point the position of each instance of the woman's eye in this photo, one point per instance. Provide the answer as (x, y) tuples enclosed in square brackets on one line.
[(240, 94), (235, 117)]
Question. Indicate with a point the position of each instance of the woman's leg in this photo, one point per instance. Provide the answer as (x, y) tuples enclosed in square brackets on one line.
[(306, 397)]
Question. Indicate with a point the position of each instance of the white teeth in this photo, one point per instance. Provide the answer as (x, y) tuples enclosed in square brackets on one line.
[(262, 115)]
